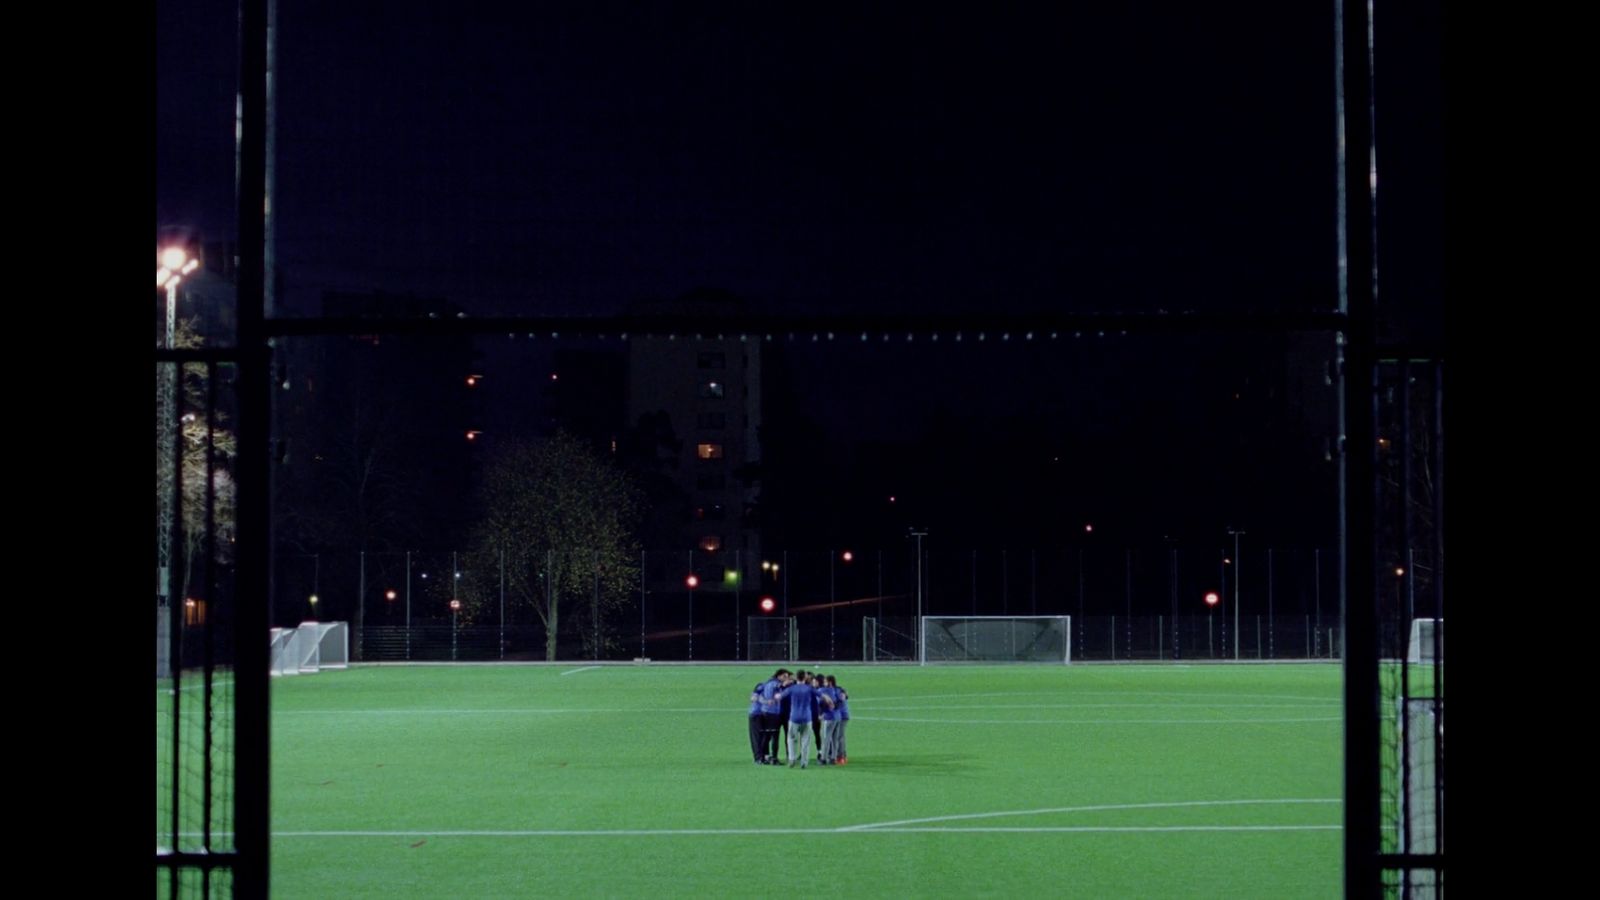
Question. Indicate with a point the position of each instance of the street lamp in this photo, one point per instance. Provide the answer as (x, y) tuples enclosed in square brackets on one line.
[(455, 608), (173, 265), (693, 581)]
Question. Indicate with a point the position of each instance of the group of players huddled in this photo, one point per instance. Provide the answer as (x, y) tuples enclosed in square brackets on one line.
[(807, 706)]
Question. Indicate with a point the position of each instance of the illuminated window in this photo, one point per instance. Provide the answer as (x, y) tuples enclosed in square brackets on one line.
[(708, 451), (711, 390), (713, 360), (711, 543)]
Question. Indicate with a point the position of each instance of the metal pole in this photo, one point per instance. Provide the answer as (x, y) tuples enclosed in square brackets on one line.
[(1316, 599), (361, 598), (880, 586), (1358, 477), (832, 598), (1238, 576), (1081, 623), (1128, 584), (1172, 582), (252, 815), (167, 446), (922, 650), (408, 604), (1271, 629), (502, 555), (1222, 594)]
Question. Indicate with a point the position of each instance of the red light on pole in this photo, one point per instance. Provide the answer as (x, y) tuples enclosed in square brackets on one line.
[(692, 581), (389, 594), (848, 556), (1212, 598), (455, 605), (1088, 529), (768, 605)]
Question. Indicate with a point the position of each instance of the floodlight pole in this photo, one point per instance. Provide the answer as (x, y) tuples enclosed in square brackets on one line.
[(1238, 574), (922, 650)]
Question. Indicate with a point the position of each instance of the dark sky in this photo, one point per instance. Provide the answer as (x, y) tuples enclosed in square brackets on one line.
[(570, 158)]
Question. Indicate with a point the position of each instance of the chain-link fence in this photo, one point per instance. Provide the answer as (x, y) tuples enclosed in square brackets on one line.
[(1124, 604)]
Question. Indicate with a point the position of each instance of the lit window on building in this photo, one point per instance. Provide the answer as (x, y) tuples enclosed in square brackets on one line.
[(712, 389), (711, 543), (713, 360), (708, 451)]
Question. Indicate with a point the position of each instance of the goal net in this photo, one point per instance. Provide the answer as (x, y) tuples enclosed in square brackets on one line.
[(1045, 639), (1427, 640), (772, 638), (1422, 790), (310, 647)]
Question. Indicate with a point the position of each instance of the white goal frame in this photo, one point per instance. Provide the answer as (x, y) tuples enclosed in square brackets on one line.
[(1066, 632)]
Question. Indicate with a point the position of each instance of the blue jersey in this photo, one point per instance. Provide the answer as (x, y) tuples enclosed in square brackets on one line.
[(843, 699), (802, 698), (755, 700), (769, 696), (830, 713)]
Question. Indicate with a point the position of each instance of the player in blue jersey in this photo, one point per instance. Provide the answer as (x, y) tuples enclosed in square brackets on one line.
[(803, 699), (841, 697)]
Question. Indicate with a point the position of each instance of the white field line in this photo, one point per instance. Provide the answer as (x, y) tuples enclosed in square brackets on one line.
[(1074, 691), (584, 669), (940, 706), (897, 826), (718, 710), (1097, 721), (717, 832), (1182, 804)]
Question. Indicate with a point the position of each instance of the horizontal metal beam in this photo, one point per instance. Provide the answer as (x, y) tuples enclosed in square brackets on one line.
[(1042, 326), (1426, 861), (176, 860)]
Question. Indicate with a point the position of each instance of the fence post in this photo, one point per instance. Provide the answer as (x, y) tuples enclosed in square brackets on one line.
[(408, 604)]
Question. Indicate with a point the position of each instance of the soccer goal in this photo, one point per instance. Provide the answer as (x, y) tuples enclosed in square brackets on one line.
[(1422, 790), (772, 638), (1427, 641), (310, 647), (1044, 639)]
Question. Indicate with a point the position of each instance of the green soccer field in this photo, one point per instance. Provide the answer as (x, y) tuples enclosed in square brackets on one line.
[(1092, 781)]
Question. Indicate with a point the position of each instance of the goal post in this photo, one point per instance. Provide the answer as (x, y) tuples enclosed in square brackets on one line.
[(310, 647), (1427, 641), (995, 639)]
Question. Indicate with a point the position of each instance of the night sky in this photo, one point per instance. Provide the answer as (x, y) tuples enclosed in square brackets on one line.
[(569, 159)]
